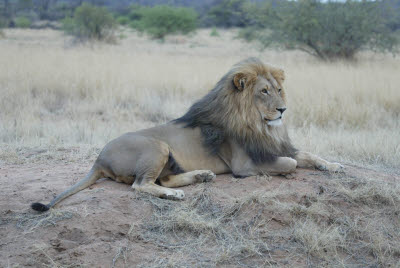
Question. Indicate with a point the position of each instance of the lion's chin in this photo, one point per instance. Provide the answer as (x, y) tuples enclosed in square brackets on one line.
[(276, 122)]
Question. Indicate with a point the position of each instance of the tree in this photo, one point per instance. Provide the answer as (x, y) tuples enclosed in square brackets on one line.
[(24, 5), (327, 30), (43, 9), (2, 24), (391, 11), (158, 21), (6, 12), (229, 13), (91, 22)]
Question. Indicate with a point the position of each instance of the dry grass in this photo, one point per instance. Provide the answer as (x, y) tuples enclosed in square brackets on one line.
[(28, 222), (54, 94), (202, 231), (121, 254), (44, 259), (341, 225)]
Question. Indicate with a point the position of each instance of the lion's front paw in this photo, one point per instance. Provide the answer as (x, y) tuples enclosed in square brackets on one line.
[(290, 176), (331, 167), (174, 195), (335, 167), (205, 176)]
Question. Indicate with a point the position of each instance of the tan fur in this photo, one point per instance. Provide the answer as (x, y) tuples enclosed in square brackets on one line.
[(249, 125), (229, 130)]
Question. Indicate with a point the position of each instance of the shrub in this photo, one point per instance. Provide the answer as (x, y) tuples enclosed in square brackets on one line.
[(2, 22), (158, 21), (22, 22), (326, 30), (91, 22), (391, 11), (135, 12), (214, 32), (250, 33), (123, 20), (1, 29)]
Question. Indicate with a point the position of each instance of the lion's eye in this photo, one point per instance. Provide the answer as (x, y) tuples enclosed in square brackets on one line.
[(279, 91), (265, 91)]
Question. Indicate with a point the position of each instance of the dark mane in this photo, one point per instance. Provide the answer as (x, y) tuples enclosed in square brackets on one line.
[(202, 114), (219, 117)]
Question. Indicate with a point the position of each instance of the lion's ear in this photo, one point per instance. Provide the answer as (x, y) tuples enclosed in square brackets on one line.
[(279, 74), (239, 80)]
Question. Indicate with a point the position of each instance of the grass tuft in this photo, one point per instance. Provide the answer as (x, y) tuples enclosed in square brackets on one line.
[(193, 226), (29, 222)]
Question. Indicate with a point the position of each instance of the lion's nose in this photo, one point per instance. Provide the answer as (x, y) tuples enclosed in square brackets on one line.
[(281, 110)]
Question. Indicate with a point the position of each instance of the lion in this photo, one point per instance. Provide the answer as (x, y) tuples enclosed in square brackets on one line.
[(236, 128)]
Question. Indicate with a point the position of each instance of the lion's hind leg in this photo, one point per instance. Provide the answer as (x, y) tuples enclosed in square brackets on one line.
[(159, 191), (196, 176), (149, 168)]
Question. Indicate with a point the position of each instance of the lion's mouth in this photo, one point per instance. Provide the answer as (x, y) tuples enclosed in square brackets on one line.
[(274, 122)]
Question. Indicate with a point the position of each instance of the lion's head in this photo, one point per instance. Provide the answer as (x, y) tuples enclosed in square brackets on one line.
[(246, 105), (262, 86)]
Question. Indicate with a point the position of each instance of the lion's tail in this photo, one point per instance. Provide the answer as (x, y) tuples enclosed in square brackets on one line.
[(94, 174)]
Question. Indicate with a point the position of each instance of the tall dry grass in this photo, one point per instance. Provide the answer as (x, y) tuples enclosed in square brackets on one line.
[(56, 94)]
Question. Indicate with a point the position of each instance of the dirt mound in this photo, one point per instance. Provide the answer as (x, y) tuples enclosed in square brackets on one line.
[(312, 220)]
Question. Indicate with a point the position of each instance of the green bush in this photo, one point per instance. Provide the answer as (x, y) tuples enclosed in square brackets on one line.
[(135, 12), (250, 33), (214, 32), (158, 21), (68, 25), (327, 30), (22, 22), (2, 22), (391, 11), (91, 22), (123, 20)]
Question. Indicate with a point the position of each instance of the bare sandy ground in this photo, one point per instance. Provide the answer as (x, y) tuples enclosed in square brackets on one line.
[(90, 229)]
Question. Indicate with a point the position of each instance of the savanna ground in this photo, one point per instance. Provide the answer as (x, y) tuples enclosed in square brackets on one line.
[(61, 102)]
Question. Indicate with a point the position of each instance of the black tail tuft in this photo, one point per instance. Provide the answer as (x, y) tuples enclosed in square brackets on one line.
[(39, 207)]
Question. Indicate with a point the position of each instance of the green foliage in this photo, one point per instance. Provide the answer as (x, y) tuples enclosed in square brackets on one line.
[(2, 24), (3, 21), (135, 12), (91, 22), (158, 21), (68, 25), (214, 32), (24, 4), (22, 22), (123, 20), (229, 13), (391, 12), (327, 30), (250, 33)]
